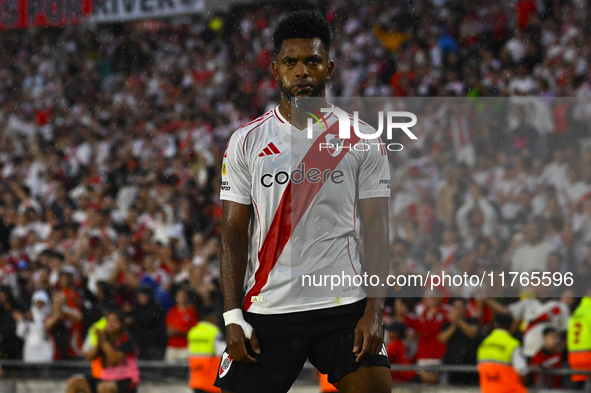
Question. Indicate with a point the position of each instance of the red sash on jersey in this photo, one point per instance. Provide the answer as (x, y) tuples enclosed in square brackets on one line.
[(545, 317)]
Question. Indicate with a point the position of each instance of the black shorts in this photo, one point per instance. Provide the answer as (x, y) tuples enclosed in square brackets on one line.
[(123, 386), (325, 337)]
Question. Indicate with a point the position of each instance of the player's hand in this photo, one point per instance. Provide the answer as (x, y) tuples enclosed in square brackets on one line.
[(235, 341), (369, 335)]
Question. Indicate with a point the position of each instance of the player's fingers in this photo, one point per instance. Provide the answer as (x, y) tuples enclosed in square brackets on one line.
[(358, 341), (236, 348), (364, 350), (371, 346), (246, 358), (240, 353), (254, 342)]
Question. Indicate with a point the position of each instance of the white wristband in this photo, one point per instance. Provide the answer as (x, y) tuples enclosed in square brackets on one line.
[(235, 316)]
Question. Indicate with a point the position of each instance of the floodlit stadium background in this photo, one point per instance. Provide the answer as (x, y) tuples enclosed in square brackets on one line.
[(112, 133)]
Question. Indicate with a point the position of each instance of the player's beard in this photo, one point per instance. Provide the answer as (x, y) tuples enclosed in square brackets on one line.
[(315, 92)]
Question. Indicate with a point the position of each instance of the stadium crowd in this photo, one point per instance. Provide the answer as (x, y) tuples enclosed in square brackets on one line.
[(111, 137)]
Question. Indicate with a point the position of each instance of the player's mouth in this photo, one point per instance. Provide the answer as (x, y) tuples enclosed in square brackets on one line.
[(302, 87)]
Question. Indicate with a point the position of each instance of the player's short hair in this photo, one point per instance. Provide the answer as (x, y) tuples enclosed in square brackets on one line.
[(302, 24)]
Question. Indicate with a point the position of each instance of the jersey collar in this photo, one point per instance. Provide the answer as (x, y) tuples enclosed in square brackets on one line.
[(280, 117), (287, 124)]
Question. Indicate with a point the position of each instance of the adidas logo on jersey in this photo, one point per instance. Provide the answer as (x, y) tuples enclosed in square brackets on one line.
[(270, 150)]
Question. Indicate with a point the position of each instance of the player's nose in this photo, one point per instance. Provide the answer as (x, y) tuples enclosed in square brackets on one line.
[(301, 71)]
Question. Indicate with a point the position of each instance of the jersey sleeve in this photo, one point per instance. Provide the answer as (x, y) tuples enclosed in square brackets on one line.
[(562, 321), (517, 309), (519, 361), (374, 173), (236, 178)]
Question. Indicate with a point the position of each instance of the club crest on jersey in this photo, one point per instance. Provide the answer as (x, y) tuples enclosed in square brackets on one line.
[(335, 145), (224, 168), (225, 364)]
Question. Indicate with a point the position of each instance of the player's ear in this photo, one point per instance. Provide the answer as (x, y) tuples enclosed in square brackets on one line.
[(275, 69), (329, 69)]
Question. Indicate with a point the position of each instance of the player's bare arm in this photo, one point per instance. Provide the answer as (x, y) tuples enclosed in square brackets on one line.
[(234, 258), (369, 331)]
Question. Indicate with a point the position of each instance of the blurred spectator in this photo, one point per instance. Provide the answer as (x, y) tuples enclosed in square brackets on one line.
[(67, 287), (204, 293), (10, 345), (41, 278), (206, 346), (460, 335), (427, 322), (180, 319), (116, 352), (501, 363), (104, 300), (549, 357), (30, 327), (146, 324), (447, 197), (65, 328), (578, 340), (397, 351), (476, 211), (533, 254), (536, 314)]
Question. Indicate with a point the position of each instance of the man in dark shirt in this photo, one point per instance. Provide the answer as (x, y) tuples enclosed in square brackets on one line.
[(146, 324), (460, 333)]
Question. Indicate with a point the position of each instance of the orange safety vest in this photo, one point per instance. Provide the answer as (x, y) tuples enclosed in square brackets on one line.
[(203, 370), (494, 356), (579, 361), (325, 386), (96, 367), (499, 378)]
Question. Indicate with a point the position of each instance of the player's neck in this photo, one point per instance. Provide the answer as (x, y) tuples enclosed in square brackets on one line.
[(285, 109)]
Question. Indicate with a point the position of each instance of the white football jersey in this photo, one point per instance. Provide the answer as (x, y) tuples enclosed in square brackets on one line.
[(305, 196)]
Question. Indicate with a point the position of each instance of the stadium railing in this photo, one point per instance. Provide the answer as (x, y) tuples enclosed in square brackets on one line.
[(162, 371)]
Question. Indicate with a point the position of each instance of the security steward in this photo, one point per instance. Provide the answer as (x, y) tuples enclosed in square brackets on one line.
[(578, 339), (96, 365), (501, 364), (206, 344)]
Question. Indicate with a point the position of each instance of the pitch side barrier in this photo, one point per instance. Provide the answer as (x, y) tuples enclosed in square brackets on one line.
[(160, 371)]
